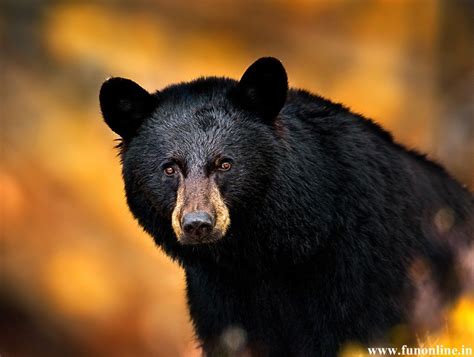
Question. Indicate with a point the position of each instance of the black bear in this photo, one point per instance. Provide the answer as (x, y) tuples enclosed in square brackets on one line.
[(296, 221)]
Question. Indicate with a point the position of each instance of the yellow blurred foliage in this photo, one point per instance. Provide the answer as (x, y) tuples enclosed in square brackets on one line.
[(12, 196), (458, 331), (73, 279), (139, 44), (121, 40), (460, 324)]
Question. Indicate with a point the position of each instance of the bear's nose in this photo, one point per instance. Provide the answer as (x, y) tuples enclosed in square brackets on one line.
[(197, 224)]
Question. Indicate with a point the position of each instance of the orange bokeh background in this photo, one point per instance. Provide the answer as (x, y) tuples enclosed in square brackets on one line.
[(79, 277)]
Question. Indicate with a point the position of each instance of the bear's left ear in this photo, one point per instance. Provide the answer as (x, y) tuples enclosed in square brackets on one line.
[(125, 105), (263, 88)]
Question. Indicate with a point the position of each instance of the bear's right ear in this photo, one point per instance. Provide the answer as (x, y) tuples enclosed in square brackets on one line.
[(124, 105)]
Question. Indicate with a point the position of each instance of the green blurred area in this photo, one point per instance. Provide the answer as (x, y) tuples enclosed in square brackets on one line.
[(78, 275)]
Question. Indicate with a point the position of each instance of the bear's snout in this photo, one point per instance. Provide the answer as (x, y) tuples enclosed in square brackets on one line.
[(197, 225), (200, 214)]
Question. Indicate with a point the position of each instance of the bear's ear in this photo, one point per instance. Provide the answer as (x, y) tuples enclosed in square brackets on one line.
[(124, 105), (263, 88)]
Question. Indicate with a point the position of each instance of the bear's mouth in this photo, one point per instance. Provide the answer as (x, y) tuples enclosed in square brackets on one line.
[(210, 238)]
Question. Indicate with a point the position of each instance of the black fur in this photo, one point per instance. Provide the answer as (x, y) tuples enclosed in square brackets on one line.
[(327, 213)]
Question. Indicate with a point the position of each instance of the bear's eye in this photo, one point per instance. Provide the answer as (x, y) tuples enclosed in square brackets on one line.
[(225, 165), (169, 171)]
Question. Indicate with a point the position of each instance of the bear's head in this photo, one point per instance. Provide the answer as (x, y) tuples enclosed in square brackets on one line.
[(199, 156)]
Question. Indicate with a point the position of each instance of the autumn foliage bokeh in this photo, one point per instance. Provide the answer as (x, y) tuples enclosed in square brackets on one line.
[(78, 275)]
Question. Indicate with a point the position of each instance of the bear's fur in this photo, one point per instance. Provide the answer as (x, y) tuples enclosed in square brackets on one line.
[(314, 228)]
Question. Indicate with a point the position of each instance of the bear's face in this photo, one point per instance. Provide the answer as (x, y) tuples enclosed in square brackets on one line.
[(197, 153)]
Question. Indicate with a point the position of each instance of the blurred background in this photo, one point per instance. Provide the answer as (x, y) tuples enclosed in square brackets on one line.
[(78, 275)]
